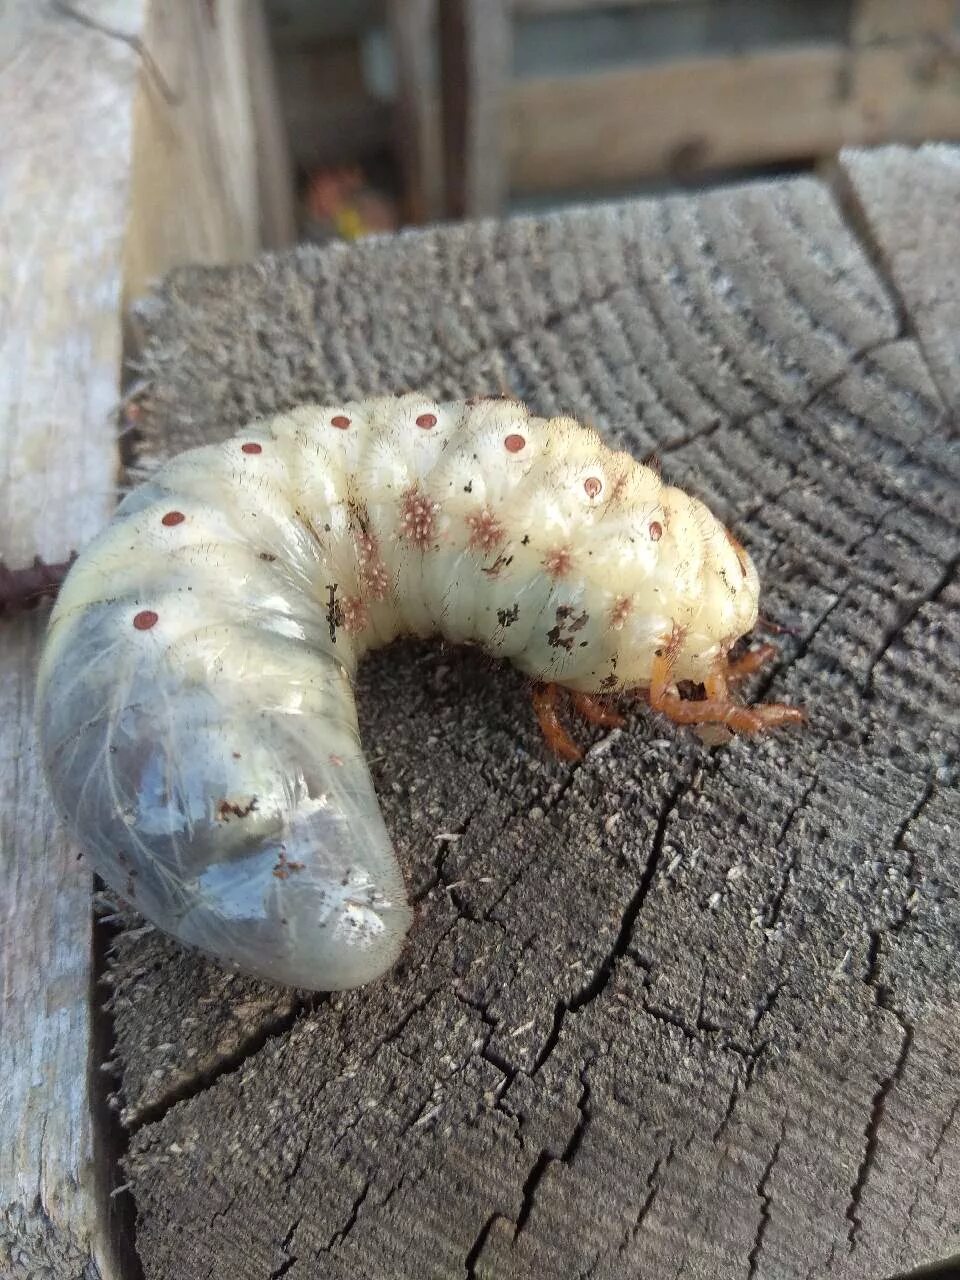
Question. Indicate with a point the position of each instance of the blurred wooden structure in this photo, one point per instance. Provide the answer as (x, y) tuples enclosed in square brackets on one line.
[(462, 97), (895, 76), (136, 135)]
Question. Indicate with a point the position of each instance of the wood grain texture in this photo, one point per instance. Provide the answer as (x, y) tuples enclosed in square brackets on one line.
[(907, 207), (670, 1011)]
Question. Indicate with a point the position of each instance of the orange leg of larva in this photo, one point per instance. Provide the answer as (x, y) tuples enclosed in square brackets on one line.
[(594, 711), (717, 708), (558, 740), (750, 662), (716, 687)]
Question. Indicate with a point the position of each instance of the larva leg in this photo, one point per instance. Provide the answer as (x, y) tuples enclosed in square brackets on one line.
[(750, 662), (775, 628), (716, 687), (558, 740), (715, 709), (595, 712)]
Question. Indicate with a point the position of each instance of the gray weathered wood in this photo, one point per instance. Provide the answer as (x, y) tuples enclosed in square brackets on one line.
[(907, 203), (413, 35), (274, 163), (62, 223), (475, 52), (709, 107), (100, 138), (669, 1012)]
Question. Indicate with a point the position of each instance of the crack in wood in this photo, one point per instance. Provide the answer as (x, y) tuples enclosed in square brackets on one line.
[(908, 613), (766, 1200), (847, 200), (739, 1091), (473, 1256), (291, 1258), (604, 971), (228, 1063), (871, 1137), (806, 641), (653, 1184), (341, 1234), (776, 905), (899, 842), (788, 408)]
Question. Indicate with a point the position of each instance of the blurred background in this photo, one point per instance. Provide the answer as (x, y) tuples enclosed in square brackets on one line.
[(409, 111)]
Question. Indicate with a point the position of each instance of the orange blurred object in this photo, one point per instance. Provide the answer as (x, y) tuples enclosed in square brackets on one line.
[(341, 201)]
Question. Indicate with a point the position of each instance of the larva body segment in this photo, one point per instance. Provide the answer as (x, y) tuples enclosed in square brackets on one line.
[(196, 707)]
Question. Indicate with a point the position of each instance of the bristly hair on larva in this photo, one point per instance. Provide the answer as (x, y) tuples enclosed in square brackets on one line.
[(196, 707)]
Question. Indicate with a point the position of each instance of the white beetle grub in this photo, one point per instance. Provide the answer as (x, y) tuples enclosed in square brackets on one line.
[(203, 649)]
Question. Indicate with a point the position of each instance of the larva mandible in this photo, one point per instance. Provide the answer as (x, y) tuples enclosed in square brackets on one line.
[(196, 709)]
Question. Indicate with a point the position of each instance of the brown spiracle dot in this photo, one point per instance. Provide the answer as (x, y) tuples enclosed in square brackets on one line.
[(145, 619), (340, 421), (427, 420), (252, 447), (514, 443), (172, 518), (592, 486), (656, 530)]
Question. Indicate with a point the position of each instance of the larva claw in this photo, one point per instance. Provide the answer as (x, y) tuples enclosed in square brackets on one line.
[(595, 712), (750, 662), (718, 707), (558, 740)]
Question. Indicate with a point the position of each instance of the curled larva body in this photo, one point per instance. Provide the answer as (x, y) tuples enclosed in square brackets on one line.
[(196, 708)]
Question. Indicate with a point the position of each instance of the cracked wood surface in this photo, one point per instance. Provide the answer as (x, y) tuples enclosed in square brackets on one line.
[(671, 1011), (908, 202)]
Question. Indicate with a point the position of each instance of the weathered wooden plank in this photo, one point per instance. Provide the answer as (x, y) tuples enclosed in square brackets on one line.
[(274, 164), (892, 80), (875, 21), (566, 6), (109, 174), (66, 119), (720, 111), (414, 37), (908, 207), (475, 51), (671, 1011), (330, 114), (194, 190)]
